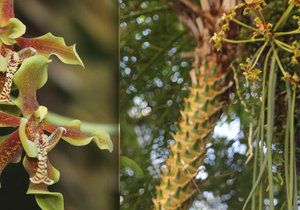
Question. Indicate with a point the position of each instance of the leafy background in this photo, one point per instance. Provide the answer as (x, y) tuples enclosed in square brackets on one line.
[(89, 177)]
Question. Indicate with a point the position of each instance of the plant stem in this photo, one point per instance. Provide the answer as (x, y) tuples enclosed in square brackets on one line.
[(295, 183), (292, 148), (262, 119), (261, 16), (85, 126), (277, 42), (243, 24), (258, 180), (278, 61), (262, 125), (243, 41), (286, 147), (283, 44), (270, 124), (259, 54), (297, 31), (238, 90), (284, 16), (255, 168)]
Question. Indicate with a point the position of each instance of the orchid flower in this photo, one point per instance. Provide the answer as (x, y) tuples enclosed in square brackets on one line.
[(27, 69), (11, 32)]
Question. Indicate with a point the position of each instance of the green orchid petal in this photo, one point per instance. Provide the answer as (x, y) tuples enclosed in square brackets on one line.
[(48, 45), (76, 137), (10, 149), (50, 200), (13, 29), (31, 76), (29, 146), (6, 11), (8, 120), (45, 199)]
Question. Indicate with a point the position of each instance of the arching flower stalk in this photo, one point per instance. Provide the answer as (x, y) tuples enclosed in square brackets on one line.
[(27, 69), (272, 41)]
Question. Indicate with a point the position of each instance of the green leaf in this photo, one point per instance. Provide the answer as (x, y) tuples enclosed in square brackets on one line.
[(31, 76), (48, 45), (29, 146), (127, 162)]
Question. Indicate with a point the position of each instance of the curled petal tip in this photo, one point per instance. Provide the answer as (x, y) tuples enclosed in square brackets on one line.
[(63, 130), (103, 141)]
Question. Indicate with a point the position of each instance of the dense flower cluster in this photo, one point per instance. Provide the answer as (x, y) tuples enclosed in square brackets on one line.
[(262, 28), (253, 5), (225, 19), (251, 74), (296, 52)]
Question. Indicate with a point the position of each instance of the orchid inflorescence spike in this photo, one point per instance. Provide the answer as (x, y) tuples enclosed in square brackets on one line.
[(27, 69), (265, 33), (275, 49)]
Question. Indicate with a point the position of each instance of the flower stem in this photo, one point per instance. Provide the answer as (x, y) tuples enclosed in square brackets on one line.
[(286, 147), (262, 133), (258, 180), (297, 31), (255, 160), (279, 44), (278, 61), (270, 124), (284, 16), (243, 41), (262, 125), (243, 24), (292, 148), (259, 54)]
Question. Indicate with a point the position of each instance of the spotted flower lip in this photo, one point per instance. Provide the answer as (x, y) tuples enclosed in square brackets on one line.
[(11, 148)]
